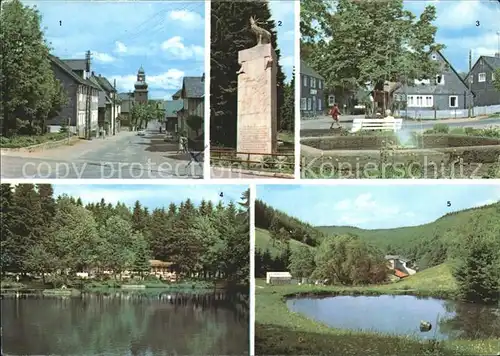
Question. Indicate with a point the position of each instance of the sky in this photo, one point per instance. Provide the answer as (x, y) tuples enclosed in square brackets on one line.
[(457, 30), (283, 13), (151, 195), (166, 38), (375, 206)]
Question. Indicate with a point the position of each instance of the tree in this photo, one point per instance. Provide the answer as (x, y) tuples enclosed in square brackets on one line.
[(230, 34), (496, 83), (30, 93), (7, 214), (121, 244), (347, 260), (195, 122), (142, 255), (287, 119), (477, 259), (302, 262), (371, 43)]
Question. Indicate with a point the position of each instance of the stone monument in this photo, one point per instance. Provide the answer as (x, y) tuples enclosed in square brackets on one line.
[(257, 97)]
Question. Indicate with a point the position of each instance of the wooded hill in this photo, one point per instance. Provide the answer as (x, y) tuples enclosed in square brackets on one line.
[(427, 244)]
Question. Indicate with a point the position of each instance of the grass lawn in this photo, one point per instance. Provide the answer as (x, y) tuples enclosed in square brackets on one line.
[(25, 141), (264, 242), (280, 331)]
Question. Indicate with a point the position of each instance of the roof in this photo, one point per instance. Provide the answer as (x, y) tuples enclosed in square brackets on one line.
[(126, 96), (76, 64), (400, 274), (305, 69), (172, 106), (105, 84), (434, 89), (193, 87), (141, 70), (177, 94), (158, 263), (103, 97), (493, 62), (67, 69)]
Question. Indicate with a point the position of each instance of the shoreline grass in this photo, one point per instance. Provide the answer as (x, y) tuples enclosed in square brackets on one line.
[(279, 331)]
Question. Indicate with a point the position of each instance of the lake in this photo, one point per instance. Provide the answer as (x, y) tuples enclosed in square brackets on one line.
[(125, 324), (401, 315)]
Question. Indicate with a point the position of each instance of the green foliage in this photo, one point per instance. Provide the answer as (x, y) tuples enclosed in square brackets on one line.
[(369, 43), (347, 260), (477, 259), (230, 34), (141, 114), (30, 93), (287, 118), (25, 141), (42, 235), (195, 122), (496, 83), (441, 128), (302, 263)]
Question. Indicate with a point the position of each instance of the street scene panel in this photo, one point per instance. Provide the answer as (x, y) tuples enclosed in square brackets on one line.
[(125, 270), (400, 89), (118, 95), (252, 116), (356, 270)]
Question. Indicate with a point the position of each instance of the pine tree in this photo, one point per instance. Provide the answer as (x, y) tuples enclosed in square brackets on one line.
[(8, 222)]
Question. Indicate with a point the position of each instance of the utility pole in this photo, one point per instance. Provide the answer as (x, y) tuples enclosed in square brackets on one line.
[(114, 108), (88, 118), (471, 112)]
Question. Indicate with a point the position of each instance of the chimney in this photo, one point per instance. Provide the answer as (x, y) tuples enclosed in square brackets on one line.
[(203, 77)]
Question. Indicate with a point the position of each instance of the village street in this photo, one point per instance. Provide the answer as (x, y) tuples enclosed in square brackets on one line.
[(324, 122), (124, 156)]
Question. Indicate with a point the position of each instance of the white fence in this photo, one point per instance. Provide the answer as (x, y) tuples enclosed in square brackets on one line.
[(448, 114)]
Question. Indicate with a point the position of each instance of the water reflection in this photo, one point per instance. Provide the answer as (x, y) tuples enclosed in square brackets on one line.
[(401, 315), (126, 323)]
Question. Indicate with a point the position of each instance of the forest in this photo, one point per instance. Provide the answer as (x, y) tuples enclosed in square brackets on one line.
[(42, 233), (469, 240), (230, 33)]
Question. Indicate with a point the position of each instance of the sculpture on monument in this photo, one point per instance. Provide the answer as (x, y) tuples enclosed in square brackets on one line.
[(263, 36)]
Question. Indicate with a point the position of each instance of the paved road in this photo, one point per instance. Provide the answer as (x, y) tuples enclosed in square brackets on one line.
[(124, 156), (346, 122)]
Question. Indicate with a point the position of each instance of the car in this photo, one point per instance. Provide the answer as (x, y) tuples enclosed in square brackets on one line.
[(141, 133)]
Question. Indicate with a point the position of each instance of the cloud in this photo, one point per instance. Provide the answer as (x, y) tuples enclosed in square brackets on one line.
[(103, 57), (364, 209), (176, 48), (287, 61), (120, 47), (187, 18), (169, 80)]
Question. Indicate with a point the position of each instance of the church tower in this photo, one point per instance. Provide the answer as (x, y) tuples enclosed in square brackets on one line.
[(141, 87)]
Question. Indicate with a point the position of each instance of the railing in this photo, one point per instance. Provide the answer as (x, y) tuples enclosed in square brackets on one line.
[(270, 161)]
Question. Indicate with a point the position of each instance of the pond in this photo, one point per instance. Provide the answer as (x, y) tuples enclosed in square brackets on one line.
[(401, 315), (125, 324)]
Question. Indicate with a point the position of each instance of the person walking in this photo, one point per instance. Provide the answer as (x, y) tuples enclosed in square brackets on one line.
[(335, 112)]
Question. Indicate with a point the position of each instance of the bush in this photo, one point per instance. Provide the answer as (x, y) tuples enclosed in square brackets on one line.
[(441, 128)]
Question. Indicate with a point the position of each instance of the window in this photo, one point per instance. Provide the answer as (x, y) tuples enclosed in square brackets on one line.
[(319, 83), (453, 101), (304, 80), (309, 104), (434, 57), (481, 77), (80, 97), (428, 101), (419, 101), (331, 100), (493, 76), (319, 105), (410, 101), (303, 104), (313, 82), (439, 79)]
